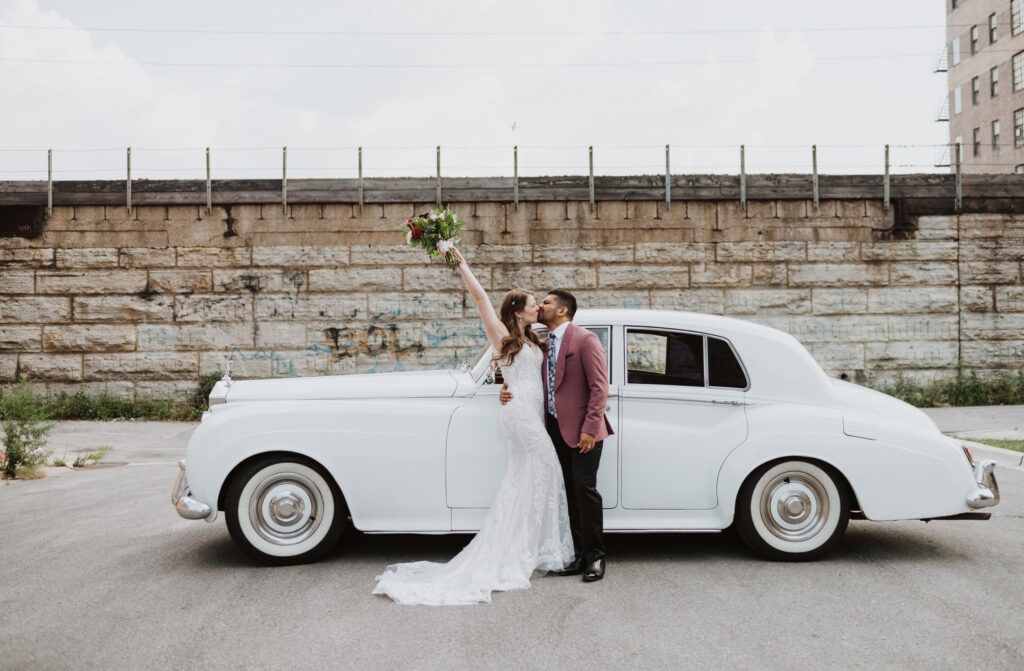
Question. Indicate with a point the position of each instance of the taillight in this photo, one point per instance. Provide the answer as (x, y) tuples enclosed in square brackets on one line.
[(967, 453)]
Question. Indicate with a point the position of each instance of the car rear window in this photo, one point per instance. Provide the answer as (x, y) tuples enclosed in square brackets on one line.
[(724, 369)]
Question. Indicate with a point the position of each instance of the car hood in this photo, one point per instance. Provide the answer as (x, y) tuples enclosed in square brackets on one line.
[(417, 384), (856, 399)]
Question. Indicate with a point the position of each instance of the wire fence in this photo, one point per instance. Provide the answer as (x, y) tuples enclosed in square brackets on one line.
[(89, 163)]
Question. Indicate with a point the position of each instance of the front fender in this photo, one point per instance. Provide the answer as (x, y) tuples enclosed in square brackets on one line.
[(387, 457)]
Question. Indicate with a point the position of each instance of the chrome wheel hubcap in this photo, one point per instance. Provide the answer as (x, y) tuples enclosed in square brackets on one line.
[(794, 506), (285, 508)]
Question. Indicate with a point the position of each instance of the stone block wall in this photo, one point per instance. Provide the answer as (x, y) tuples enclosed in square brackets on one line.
[(142, 303)]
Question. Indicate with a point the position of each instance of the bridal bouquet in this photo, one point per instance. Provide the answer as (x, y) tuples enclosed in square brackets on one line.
[(435, 229)]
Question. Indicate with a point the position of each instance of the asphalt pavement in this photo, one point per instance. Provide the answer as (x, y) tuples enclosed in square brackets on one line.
[(97, 571)]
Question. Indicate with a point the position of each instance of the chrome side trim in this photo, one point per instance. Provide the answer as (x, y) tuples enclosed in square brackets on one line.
[(987, 493)]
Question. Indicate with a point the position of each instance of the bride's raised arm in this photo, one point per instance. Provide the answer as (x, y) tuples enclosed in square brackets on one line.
[(492, 325)]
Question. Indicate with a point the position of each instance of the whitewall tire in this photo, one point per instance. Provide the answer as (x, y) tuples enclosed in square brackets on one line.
[(284, 510), (792, 510)]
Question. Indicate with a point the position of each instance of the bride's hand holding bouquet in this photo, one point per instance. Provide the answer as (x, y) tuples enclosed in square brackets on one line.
[(436, 232)]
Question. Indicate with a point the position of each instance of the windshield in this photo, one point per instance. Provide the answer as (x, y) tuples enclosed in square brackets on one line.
[(483, 362)]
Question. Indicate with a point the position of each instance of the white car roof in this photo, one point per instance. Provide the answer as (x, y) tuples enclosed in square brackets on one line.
[(689, 321), (777, 364)]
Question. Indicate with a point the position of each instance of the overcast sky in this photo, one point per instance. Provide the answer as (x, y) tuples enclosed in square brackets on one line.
[(475, 76)]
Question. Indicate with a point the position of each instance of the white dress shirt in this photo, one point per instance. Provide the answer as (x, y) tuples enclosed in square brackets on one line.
[(559, 333)]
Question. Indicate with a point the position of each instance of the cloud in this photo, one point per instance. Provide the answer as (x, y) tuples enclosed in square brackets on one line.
[(782, 92)]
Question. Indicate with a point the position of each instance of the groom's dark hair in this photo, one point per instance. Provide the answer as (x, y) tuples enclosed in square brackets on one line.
[(566, 300)]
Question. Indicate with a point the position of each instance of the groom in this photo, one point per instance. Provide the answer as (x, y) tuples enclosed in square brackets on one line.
[(576, 391)]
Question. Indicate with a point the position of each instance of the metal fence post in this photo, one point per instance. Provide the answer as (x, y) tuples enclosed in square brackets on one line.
[(814, 176), (284, 179), (129, 181), (743, 176), (49, 182), (209, 185), (959, 180), (668, 181), (438, 176), (360, 180), (515, 176), (591, 181), (886, 192)]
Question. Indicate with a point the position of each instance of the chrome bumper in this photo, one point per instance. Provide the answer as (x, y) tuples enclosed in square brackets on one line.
[(987, 493), (188, 507)]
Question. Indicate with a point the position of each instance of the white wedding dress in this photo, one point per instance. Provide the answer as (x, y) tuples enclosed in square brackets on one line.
[(527, 526)]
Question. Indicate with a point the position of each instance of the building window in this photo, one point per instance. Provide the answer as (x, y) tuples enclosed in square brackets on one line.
[(956, 51), (1016, 16), (975, 90), (1019, 169), (974, 40), (995, 135), (1018, 128), (976, 142), (1018, 71), (993, 81), (956, 3), (958, 103), (991, 28)]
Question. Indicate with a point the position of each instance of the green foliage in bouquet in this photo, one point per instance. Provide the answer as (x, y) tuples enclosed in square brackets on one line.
[(427, 230)]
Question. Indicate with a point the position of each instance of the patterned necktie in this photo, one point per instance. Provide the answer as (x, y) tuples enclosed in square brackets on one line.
[(551, 375)]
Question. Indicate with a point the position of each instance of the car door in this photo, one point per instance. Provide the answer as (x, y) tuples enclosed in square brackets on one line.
[(682, 412), (476, 459)]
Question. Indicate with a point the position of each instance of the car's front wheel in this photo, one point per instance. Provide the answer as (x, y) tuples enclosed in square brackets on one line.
[(792, 510), (284, 510)]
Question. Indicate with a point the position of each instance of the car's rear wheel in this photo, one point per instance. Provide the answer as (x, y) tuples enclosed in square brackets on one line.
[(792, 510), (284, 510)]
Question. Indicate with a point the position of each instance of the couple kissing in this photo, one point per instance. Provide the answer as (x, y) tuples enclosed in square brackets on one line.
[(547, 515)]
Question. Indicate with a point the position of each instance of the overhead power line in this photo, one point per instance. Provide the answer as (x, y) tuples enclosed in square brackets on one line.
[(470, 66), (470, 33)]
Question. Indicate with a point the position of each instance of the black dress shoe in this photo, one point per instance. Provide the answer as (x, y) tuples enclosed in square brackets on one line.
[(594, 571), (575, 567)]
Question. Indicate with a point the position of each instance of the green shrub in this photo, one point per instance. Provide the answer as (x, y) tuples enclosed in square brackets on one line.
[(79, 405), (961, 390), (23, 418)]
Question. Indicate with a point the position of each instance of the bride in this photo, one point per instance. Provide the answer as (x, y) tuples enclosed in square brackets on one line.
[(527, 526)]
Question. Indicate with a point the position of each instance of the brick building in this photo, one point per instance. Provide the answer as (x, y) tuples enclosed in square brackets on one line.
[(985, 40)]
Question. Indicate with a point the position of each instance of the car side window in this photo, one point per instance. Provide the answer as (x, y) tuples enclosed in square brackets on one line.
[(664, 357), (724, 369)]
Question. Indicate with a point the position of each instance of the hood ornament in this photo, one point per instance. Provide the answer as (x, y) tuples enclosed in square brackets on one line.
[(227, 375)]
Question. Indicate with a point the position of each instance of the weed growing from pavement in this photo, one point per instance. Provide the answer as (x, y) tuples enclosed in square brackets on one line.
[(23, 418), (93, 455), (962, 390), (79, 405)]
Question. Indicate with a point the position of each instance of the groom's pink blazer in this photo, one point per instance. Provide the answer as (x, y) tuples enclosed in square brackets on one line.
[(581, 386)]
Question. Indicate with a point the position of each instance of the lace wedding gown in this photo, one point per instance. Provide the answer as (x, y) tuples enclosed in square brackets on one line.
[(527, 526)]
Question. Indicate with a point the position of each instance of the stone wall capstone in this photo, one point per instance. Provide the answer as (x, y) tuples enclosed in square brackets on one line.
[(141, 304)]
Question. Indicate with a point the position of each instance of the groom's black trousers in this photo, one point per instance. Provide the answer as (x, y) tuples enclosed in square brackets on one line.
[(586, 515)]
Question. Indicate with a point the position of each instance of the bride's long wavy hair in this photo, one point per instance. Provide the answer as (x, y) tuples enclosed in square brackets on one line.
[(513, 302)]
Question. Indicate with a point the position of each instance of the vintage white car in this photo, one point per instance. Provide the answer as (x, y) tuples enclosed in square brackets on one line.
[(718, 422)]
